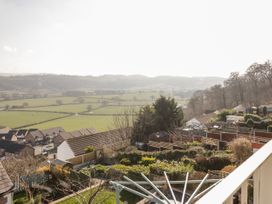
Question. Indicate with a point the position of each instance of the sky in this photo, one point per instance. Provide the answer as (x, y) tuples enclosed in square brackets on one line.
[(148, 37)]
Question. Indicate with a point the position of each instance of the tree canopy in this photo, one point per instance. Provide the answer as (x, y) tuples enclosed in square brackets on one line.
[(163, 115)]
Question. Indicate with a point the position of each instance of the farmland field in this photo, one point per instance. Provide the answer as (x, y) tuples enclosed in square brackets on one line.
[(38, 101), (114, 109), (100, 123), (75, 108), (15, 119), (103, 109)]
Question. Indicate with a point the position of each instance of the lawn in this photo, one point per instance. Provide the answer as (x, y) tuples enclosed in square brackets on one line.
[(77, 108), (100, 123), (15, 119), (104, 197)]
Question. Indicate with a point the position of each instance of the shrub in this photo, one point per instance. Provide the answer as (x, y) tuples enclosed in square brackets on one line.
[(217, 163), (241, 148), (96, 171), (250, 123), (133, 157), (212, 163), (260, 125), (175, 170), (125, 161), (187, 161), (269, 128), (135, 171), (89, 149), (222, 116), (252, 117), (146, 161), (202, 164)]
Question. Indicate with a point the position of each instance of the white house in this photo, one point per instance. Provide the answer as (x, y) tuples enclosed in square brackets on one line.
[(194, 124), (104, 143)]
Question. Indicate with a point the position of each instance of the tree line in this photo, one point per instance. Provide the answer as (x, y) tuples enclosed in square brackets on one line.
[(253, 88)]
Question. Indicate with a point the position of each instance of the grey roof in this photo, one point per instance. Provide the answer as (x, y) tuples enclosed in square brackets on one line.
[(52, 131), (36, 134), (97, 140), (12, 147), (5, 182), (67, 135)]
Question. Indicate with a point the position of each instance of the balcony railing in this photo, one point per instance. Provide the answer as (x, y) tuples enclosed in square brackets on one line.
[(251, 182)]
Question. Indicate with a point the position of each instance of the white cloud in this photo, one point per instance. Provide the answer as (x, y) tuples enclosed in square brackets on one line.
[(9, 49)]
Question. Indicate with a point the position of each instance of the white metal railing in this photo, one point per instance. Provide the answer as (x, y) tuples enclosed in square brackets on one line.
[(259, 168)]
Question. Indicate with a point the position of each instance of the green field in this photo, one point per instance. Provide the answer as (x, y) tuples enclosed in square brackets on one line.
[(115, 109), (38, 101), (115, 104), (15, 119), (103, 197), (100, 123), (76, 108)]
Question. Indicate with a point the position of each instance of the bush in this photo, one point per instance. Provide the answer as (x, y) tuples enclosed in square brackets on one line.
[(133, 157), (217, 163), (252, 117), (146, 161), (212, 163), (241, 148), (269, 128), (222, 116), (89, 149), (250, 123), (125, 161), (187, 161), (202, 164), (99, 171), (135, 171), (175, 170)]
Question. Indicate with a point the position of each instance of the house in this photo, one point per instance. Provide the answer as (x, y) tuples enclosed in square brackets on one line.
[(105, 144), (43, 136), (240, 109), (6, 187), (10, 148), (67, 135), (194, 124)]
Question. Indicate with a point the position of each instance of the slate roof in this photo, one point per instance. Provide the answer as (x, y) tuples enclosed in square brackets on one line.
[(12, 147), (5, 182), (97, 140), (37, 134), (67, 135), (52, 131)]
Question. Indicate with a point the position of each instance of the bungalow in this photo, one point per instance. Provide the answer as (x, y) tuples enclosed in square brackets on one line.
[(6, 187), (10, 148), (78, 150), (62, 136)]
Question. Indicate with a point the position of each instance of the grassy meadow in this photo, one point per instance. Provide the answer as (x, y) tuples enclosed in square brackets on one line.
[(101, 116)]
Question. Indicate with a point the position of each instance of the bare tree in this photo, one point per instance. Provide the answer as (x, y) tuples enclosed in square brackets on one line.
[(19, 169)]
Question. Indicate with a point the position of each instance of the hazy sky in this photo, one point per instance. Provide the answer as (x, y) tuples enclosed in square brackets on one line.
[(150, 37)]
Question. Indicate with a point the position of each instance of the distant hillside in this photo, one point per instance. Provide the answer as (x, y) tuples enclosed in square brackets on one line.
[(108, 82)]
